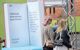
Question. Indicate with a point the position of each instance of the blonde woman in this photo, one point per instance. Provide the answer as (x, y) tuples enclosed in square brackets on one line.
[(62, 33)]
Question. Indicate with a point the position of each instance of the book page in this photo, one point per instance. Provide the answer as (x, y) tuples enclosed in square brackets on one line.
[(16, 18)]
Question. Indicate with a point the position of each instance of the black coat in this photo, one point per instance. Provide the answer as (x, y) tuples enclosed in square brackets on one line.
[(65, 37)]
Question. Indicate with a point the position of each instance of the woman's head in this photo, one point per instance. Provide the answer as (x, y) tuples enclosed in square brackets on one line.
[(47, 20), (62, 22)]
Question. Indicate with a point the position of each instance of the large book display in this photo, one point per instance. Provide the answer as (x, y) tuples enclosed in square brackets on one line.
[(23, 26)]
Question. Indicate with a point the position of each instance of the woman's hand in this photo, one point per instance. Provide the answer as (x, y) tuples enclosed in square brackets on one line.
[(49, 43)]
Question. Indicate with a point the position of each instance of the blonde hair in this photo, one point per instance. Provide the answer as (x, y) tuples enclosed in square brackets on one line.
[(61, 24)]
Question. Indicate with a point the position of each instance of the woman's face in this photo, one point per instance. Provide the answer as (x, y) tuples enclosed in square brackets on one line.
[(62, 23), (47, 21)]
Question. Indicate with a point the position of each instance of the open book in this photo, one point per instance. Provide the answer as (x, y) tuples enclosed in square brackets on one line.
[(23, 24)]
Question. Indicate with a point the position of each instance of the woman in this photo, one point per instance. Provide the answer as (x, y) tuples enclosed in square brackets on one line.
[(46, 35), (63, 34)]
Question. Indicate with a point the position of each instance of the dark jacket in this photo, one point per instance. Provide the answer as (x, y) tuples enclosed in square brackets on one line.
[(65, 37)]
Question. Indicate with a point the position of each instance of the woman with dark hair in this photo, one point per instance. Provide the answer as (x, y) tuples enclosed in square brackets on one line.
[(46, 35)]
